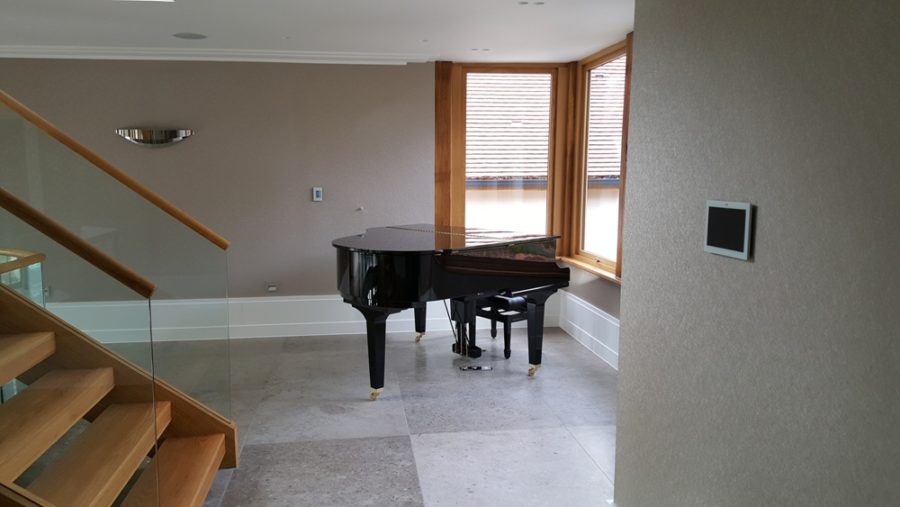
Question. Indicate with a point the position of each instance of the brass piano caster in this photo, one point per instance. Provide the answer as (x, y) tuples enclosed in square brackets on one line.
[(374, 394), (532, 369), (419, 337)]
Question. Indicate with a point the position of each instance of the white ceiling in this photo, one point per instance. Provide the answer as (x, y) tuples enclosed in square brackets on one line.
[(327, 31)]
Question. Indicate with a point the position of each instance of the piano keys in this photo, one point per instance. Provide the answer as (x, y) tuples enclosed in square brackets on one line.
[(389, 269)]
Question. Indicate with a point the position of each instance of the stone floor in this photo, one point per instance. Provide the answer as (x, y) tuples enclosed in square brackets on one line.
[(436, 436)]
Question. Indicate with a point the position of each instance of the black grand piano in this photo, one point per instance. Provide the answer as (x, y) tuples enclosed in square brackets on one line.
[(389, 269)]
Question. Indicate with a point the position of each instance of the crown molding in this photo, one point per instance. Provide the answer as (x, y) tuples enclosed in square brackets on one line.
[(211, 55)]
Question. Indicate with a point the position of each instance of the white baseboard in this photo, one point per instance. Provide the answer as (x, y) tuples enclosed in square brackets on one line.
[(261, 317), (590, 326), (285, 316)]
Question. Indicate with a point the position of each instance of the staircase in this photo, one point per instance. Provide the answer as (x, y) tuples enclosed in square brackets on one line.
[(91, 428), (71, 377)]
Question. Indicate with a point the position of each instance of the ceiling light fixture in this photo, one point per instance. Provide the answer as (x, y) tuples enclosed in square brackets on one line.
[(187, 35)]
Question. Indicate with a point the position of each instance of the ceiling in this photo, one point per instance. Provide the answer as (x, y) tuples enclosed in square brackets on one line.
[(323, 31)]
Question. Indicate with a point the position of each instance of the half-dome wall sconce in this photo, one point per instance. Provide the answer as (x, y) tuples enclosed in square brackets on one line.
[(154, 137)]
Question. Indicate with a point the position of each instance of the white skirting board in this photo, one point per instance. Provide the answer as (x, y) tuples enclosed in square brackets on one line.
[(591, 326), (260, 317), (273, 317)]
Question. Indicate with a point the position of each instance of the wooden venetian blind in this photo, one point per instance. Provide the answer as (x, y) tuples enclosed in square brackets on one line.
[(507, 126), (606, 103)]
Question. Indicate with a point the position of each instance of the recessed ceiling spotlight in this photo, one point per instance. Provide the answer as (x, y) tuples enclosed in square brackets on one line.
[(474, 49), (523, 3), (539, 3), (485, 49), (188, 35), (424, 40)]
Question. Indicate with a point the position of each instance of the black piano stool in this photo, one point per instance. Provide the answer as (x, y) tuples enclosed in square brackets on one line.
[(506, 309)]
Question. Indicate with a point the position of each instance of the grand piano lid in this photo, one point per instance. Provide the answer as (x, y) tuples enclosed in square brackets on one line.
[(428, 238)]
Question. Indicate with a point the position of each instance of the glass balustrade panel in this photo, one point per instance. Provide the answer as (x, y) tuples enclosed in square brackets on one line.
[(189, 307), (100, 309)]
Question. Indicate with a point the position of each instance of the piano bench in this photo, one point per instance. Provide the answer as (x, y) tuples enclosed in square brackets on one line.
[(505, 309)]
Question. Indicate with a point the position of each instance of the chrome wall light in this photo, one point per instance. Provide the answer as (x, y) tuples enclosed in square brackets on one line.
[(153, 136)]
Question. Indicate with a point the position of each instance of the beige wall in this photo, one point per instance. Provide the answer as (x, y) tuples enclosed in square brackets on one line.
[(771, 382), (266, 134)]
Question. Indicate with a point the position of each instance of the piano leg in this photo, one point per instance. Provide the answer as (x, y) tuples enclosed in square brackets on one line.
[(535, 312), (375, 328), (420, 322)]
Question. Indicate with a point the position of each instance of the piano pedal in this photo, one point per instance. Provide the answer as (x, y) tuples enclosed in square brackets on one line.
[(419, 337), (532, 369), (374, 394), (470, 351)]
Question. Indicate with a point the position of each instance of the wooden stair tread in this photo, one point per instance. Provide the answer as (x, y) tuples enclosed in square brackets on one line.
[(76, 350), (11, 494), (186, 467), (103, 458), (35, 419), (20, 352)]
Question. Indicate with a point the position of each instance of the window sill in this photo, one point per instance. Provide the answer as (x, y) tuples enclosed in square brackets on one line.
[(593, 269)]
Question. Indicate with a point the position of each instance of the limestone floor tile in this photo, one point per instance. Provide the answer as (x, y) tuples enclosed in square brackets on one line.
[(372, 472), (325, 410), (253, 360), (473, 405), (328, 343), (195, 367), (320, 365), (561, 355), (586, 400), (432, 362), (538, 467), (600, 443)]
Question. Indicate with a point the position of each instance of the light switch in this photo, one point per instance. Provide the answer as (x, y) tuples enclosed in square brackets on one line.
[(317, 194)]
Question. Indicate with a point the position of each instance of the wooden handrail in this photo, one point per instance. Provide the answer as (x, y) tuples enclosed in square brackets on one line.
[(76, 245), (151, 196), (22, 259)]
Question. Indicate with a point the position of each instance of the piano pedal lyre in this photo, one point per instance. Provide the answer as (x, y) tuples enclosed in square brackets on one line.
[(419, 337), (374, 394), (532, 369)]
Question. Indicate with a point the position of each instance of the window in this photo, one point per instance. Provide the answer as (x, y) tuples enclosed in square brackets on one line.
[(507, 150), (537, 148), (497, 159), (600, 162)]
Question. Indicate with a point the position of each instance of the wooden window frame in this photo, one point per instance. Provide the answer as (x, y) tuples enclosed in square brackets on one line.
[(573, 252), (450, 137), (566, 156)]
